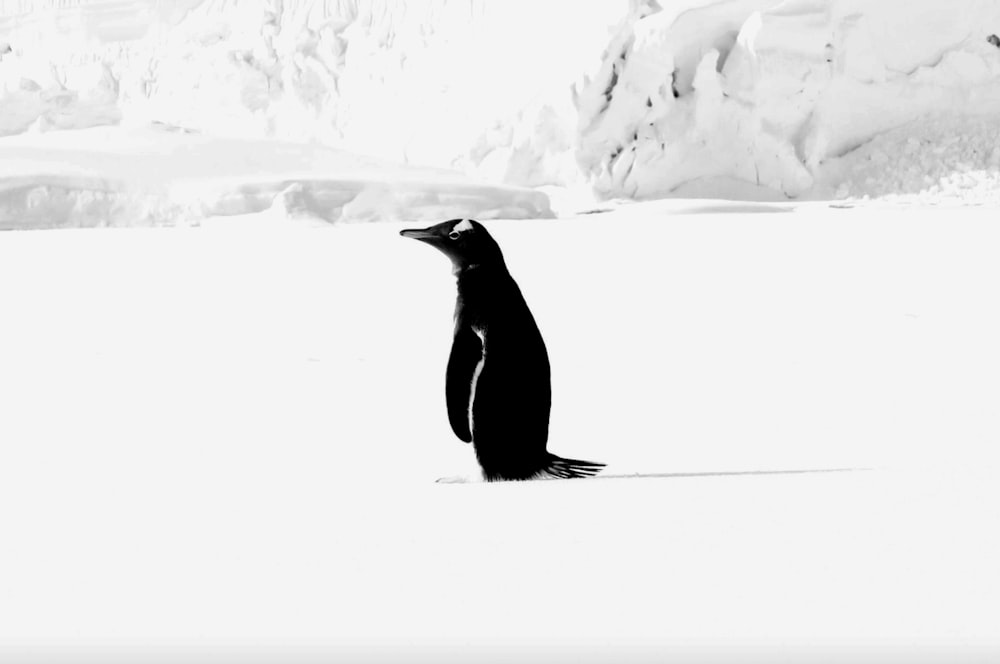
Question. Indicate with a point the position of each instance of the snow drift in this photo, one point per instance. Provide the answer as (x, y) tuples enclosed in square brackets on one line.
[(764, 98)]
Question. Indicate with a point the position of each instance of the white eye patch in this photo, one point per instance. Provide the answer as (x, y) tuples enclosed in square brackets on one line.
[(462, 226)]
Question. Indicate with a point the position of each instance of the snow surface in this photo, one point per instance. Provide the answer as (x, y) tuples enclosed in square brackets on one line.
[(221, 443), (637, 100)]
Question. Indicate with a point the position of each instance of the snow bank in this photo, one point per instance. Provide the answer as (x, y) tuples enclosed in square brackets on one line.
[(634, 100), (768, 92), (108, 176)]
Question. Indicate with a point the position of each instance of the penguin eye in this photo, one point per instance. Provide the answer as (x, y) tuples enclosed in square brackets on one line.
[(454, 235)]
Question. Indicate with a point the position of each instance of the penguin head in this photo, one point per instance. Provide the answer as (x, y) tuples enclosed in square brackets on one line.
[(465, 241)]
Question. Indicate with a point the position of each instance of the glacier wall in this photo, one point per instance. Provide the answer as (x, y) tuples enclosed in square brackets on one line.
[(633, 99)]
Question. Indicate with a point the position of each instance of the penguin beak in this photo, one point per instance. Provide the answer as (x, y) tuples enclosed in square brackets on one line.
[(422, 234)]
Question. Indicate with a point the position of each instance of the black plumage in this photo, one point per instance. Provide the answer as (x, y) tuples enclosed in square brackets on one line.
[(498, 386)]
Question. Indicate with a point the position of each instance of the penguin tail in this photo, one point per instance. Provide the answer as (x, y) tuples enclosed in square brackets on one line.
[(570, 468)]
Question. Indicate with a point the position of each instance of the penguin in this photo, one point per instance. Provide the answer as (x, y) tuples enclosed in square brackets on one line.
[(498, 388)]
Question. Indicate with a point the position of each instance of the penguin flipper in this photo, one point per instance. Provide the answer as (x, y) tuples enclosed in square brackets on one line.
[(466, 351)]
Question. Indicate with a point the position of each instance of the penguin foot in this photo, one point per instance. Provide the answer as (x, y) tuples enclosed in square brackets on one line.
[(456, 479)]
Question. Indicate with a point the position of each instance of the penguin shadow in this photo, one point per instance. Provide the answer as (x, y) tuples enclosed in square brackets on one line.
[(668, 476), (729, 473)]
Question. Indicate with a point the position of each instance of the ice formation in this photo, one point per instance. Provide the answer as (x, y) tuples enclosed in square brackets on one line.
[(635, 100)]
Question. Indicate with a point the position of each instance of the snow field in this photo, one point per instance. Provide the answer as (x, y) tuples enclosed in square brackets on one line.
[(221, 443)]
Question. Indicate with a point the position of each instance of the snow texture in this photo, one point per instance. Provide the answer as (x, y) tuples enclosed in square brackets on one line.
[(738, 98)]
